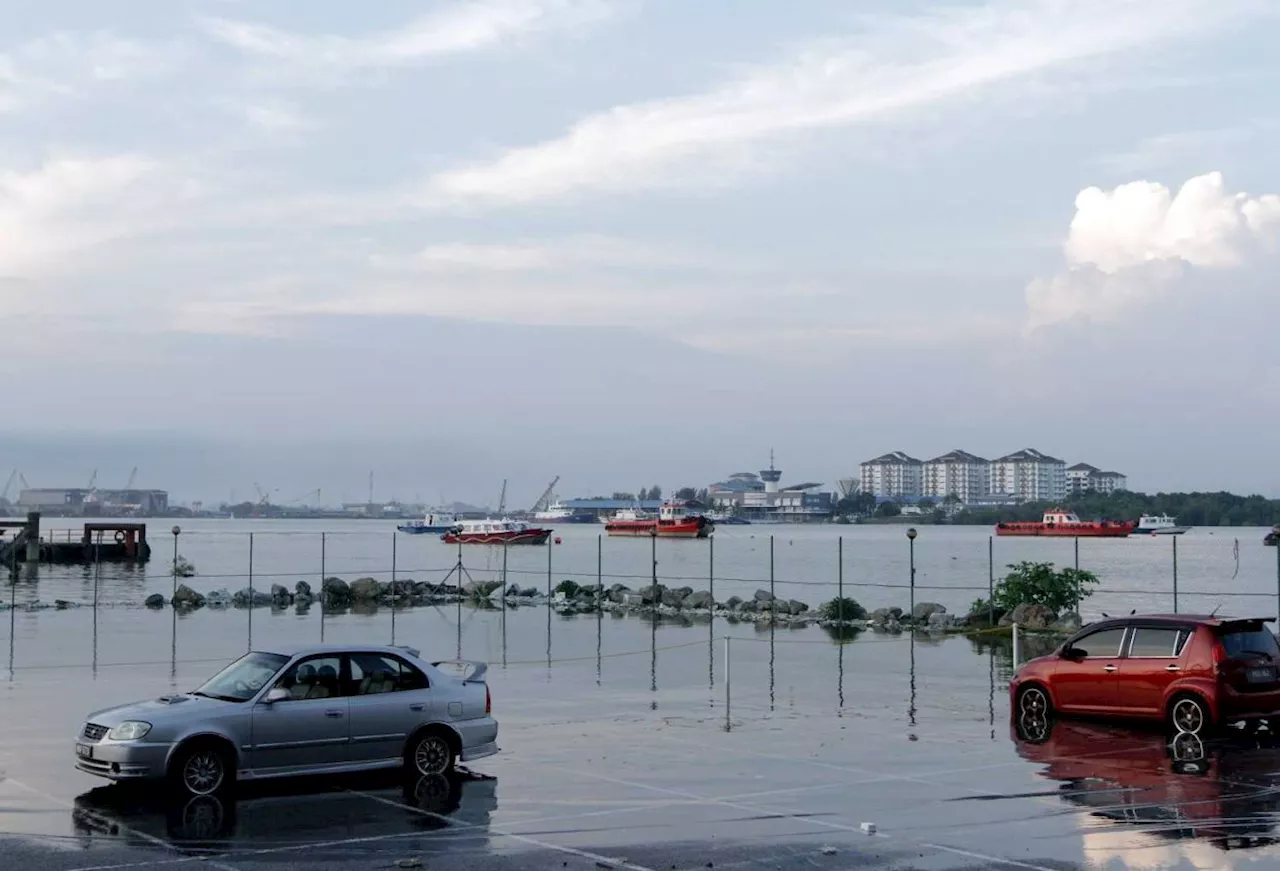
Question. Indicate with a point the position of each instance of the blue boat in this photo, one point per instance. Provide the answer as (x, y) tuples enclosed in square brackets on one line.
[(435, 524)]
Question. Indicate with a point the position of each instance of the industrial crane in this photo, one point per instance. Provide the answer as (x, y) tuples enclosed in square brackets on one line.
[(4, 494), (264, 498), (128, 485), (306, 495), (544, 500), (502, 499)]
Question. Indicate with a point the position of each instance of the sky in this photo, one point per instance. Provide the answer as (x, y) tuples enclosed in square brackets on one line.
[(634, 242)]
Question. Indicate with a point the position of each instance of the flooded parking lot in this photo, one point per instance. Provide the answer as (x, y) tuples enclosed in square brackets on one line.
[(618, 755)]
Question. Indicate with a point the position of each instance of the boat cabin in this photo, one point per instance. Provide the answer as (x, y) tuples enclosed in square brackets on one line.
[(489, 525), (1060, 517)]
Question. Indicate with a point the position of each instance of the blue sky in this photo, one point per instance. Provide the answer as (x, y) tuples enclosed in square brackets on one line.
[(919, 225)]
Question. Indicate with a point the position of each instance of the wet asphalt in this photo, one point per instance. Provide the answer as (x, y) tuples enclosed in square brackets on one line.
[(609, 771)]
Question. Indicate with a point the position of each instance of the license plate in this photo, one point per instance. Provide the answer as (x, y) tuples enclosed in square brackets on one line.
[(84, 751), (1260, 675)]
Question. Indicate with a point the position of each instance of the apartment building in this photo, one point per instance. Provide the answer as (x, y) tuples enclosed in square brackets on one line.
[(894, 474), (1029, 475), (957, 473), (1083, 478)]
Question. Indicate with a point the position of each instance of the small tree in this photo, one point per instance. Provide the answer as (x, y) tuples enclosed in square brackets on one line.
[(843, 609), (887, 509), (1039, 584)]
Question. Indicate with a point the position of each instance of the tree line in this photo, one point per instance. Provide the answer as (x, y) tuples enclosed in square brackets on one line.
[(1190, 509)]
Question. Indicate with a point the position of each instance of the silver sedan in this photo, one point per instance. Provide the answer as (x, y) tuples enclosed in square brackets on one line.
[(317, 709)]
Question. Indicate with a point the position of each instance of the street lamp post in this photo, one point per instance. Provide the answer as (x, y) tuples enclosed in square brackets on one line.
[(911, 544), (177, 530)]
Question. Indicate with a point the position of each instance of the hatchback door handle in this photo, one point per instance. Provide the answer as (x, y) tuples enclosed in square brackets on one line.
[(334, 714), (1171, 668), (1109, 667)]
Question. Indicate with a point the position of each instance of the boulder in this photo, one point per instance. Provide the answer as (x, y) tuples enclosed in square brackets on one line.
[(481, 589), (1068, 622), (700, 600), (1029, 615), (335, 592), (778, 606), (631, 599), (219, 598), (924, 610), (618, 592), (939, 620), (528, 593), (513, 590), (747, 606), (247, 597), (798, 607), (673, 598), (186, 597), (280, 595), (652, 593), (881, 616), (733, 603), (365, 590), (302, 590), (155, 600), (983, 617), (763, 596)]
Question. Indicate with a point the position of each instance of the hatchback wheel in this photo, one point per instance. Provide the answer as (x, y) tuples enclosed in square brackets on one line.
[(1189, 714), (1033, 701), (431, 754), (202, 770)]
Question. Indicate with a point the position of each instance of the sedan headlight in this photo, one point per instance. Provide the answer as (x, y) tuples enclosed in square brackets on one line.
[(130, 730)]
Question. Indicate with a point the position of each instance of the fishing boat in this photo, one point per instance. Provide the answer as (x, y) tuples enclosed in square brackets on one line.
[(728, 520), (558, 512), (432, 523), (490, 531), (674, 520), (1062, 523), (1158, 524)]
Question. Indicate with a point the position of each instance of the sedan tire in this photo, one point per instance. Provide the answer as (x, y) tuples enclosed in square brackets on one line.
[(1189, 714), (201, 770), (430, 753)]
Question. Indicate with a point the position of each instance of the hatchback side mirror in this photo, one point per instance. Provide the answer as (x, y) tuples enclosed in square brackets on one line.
[(276, 694)]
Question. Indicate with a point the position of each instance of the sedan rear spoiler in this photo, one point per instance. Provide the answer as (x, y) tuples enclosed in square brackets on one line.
[(473, 672)]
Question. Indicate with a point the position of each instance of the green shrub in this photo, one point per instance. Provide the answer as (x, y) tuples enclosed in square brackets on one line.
[(1040, 584), (569, 588), (843, 609)]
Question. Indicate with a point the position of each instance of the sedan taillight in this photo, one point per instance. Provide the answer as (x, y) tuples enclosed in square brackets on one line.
[(488, 700)]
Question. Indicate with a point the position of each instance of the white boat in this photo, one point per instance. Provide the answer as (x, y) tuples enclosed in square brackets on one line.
[(1159, 524), (558, 512), (630, 515)]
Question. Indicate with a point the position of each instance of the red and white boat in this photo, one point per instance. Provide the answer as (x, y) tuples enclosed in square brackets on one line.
[(1065, 524), (674, 520), (496, 532)]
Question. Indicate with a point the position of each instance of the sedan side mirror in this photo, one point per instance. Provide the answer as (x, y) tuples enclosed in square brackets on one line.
[(276, 694), (1075, 654)]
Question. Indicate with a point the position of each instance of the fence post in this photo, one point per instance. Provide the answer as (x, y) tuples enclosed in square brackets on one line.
[(97, 580), (1017, 647), (711, 624), (771, 596), (323, 542), (911, 543), (505, 605), (1278, 582), (177, 530), (1175, 573), (727, 682), (550, 542), (840, 579), (991, 580), (250, 644), (1075, 605), (394, 536)]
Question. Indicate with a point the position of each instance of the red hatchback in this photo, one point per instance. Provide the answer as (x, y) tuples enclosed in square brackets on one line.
[(1191, 671)]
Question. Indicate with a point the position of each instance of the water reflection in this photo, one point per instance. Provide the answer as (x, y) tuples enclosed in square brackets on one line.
[(287, 812), (1224, 793)]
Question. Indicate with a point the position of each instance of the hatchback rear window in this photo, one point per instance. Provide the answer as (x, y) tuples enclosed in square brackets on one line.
[(1248, 638)]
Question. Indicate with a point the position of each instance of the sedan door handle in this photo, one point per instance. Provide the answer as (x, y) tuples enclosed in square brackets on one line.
[(418, 707), (1109, 668), (334, 714), (1171, 668)]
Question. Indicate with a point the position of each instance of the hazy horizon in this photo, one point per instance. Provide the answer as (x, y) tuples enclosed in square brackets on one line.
[(634, 242)]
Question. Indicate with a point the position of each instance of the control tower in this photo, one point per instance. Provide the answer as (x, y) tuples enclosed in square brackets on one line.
[(771, 476)]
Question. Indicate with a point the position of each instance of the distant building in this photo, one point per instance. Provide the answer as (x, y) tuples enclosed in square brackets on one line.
[(957, 473), (1029, 475), (892, 475), (1084, 478), (761, 497), (82, 502)]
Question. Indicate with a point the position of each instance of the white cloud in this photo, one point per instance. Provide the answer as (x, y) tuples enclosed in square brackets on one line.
[(276, 120), (68, 63), (1128, 245), (454, 29), (891, 66), (589, 251)]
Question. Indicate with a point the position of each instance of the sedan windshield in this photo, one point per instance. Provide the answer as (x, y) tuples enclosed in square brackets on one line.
[(241, 680)]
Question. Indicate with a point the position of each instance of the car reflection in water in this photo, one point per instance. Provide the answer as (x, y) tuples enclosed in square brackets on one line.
[(282, 813), (1225, 793)]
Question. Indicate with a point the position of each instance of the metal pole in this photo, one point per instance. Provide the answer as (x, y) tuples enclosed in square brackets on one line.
[(840, 579), (323, 537), (727, 682), (459, 584), (1017, 647), (1277, 581), (177, 530), (97, 580), (504, 604), (771, 596), (173, 607), (1075, 605), (394, 535), (711, 624), (991, 580), (250, 591), (912, 542), (550, 542)]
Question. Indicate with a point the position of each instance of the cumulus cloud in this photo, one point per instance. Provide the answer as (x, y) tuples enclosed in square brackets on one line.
[(454, 29), (891, 65), (1129, 245)]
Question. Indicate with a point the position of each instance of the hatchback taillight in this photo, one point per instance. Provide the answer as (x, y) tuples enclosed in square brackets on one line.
[(488, 701)]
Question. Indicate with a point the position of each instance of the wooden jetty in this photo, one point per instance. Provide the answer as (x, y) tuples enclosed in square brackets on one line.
[(105, 541)]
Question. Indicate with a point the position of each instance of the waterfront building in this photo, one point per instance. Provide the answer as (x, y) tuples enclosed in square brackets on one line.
[(86, 502), (956, 473), (1084, 478), (762, 497), (1029, 475), (893, 475)]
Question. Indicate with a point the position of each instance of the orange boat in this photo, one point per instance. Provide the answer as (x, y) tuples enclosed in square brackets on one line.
[(674, 520), (1065, 524)]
